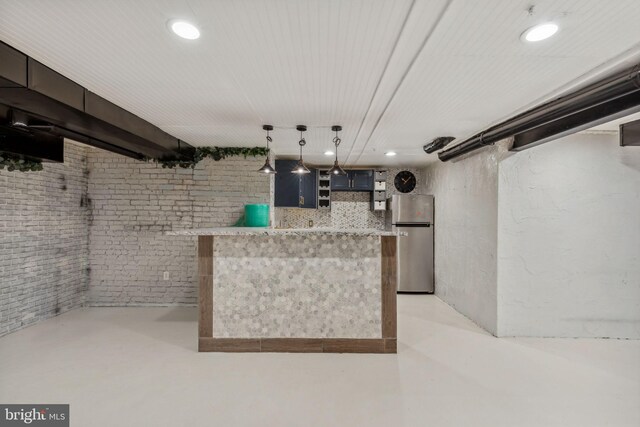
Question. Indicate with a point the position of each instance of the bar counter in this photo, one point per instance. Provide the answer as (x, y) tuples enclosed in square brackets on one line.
[(296, 290)]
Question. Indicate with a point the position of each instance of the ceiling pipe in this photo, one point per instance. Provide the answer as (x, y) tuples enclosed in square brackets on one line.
[(604, 100), (47, 102), (437, 144)]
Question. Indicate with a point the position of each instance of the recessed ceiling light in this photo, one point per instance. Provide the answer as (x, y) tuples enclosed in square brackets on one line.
[(390, 153), (540, 32), (329, 153), (184, 29)]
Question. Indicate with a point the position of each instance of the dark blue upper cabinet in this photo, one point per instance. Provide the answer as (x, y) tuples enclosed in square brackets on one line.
[(293, 190), (354, 180), (362, 180), (308, 190), (287, 185), (340, 182)]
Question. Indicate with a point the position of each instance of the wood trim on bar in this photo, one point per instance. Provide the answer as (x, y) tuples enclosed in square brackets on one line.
[(389, 275), (205, 284), (390, 345), (386, 344), (346, 345), (298, 345), (231, 345), (205, 255), (291, 345)]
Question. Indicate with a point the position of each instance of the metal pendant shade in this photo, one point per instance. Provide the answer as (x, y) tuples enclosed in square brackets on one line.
[(336, 169), (267, 168), (300, 167)]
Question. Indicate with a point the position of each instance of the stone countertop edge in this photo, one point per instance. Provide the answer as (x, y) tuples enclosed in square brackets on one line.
[(257, 231)]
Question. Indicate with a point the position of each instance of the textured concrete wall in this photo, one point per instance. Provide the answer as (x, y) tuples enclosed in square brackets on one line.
[(134, 203), (466, 219), (569, 240), (44, 231)]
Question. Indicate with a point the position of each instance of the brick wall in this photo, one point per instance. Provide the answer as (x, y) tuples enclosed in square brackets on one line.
[(43, 241), (134, 203)]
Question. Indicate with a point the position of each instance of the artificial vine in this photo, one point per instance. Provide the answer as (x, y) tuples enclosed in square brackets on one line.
[(21, 163), (216, 153)]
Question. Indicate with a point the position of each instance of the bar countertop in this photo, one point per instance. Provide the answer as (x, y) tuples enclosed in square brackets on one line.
[(258, 231)]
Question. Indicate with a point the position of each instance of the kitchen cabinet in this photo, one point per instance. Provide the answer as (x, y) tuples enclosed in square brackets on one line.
[(362, 180), (308, 197), (294, 190), (340, 182), (354, 180)]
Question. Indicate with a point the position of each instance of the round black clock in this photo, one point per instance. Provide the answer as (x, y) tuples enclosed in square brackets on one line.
[(405, 182)]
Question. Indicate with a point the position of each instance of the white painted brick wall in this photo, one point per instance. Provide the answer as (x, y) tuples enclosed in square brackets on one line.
[(134, 203), (43, 241)]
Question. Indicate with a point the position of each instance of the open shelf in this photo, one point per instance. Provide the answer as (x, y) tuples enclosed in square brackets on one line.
[(324, 189)]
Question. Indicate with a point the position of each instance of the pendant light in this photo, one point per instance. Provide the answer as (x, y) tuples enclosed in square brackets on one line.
[(336, 169), (267, 165), (300, 168)]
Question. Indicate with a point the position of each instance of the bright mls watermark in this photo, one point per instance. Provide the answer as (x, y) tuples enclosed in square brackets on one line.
[(34, 415)]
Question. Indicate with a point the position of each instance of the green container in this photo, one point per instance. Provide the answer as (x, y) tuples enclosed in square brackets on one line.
[(256, 215)]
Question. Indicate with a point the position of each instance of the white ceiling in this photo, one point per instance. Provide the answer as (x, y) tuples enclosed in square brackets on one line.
[(394, 73)]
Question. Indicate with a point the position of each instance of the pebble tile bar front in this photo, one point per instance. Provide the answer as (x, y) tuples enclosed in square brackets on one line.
[(296, 290)]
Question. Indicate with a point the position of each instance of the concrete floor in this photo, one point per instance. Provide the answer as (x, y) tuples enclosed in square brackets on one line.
[(139, 367)]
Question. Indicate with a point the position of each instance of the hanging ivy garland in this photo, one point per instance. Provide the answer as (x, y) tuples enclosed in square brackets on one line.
[(20, 163), (215, 153), (14, 162)]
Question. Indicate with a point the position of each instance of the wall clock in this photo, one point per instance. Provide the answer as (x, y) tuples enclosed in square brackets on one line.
[(405, 182)]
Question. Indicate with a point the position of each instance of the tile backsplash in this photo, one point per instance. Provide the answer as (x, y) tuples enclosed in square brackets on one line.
[(348, 210)]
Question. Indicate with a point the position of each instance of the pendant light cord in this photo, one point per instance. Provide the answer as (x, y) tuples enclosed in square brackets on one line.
[(336, 142), (302, 143)]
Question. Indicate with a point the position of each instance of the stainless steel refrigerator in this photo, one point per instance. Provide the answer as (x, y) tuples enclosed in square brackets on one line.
[(413, 214)]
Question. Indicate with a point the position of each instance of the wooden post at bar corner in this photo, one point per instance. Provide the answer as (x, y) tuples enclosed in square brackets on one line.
[(205, 283), (389, 276)]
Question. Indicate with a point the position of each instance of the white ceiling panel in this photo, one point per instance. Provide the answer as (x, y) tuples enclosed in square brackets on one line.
[(474, 70), (393, 73)]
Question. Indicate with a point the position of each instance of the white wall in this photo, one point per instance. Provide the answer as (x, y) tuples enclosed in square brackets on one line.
[(569, 239), (466, 201)]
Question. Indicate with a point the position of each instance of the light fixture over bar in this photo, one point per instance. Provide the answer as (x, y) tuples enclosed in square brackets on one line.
[(267, 168), (300, 167), (336, 169)]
